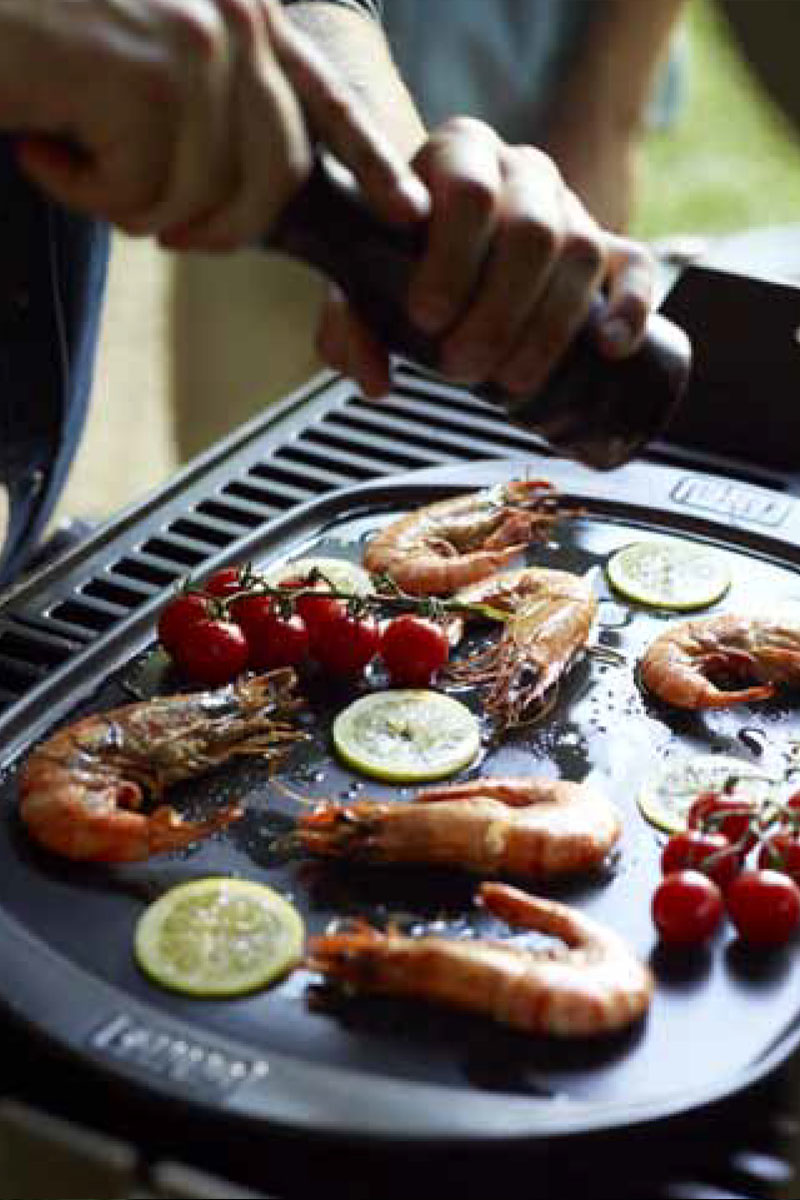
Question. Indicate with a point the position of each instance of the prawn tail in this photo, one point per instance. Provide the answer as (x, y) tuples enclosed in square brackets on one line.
[(166, 830)]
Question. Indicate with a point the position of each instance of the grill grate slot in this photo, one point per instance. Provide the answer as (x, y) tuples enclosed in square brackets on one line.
[(347, 466), (180, 551), (316, 447), (270, 500), (296, 485), (123, 596), (16, 678), (204, 532), (146, 570), (93, 617), (397, 454), (438, 447), (36, 652), (480, 427), (239, 515)]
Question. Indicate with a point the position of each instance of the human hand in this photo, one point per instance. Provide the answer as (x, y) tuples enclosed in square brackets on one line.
[(181, 118), (513, 263)]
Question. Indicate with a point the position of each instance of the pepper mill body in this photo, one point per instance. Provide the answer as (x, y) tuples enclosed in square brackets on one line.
[(599, 411)]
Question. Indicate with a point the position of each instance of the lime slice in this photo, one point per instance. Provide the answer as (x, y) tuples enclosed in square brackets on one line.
[(665, 799), (218, 937), (345, 576), (407, 735), (676, 575)]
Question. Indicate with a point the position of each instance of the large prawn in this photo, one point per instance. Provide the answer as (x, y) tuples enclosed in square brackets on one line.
[(81, 791), (550, 619), (437, 549), (686, 665), (591, 985), (541, 828)]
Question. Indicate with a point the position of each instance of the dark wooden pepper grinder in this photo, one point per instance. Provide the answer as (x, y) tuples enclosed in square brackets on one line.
[(598, 411)]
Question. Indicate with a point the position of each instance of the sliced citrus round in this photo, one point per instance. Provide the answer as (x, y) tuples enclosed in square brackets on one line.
[(345, 576), (218, 937), (665, 798), (407, 735), (669, 574)]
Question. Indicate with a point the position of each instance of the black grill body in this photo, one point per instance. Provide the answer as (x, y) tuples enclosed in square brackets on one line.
[(75, 622)]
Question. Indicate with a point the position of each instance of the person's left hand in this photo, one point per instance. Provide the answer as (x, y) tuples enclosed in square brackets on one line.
[(513, 263)]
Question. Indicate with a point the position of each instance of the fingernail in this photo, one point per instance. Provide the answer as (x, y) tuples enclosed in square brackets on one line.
[(617, 335)]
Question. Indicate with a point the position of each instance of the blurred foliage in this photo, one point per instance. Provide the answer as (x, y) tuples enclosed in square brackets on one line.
[(731, 161)]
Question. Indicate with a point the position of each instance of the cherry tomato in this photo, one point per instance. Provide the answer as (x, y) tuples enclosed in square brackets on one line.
[(413, 650), (781, 852), (213, 652), (715, 813), (687, 908), (178, 617), (224, 583), (791, 819), (316, 611), (764, 906), (710, 853), (274, 641), (349, 643)]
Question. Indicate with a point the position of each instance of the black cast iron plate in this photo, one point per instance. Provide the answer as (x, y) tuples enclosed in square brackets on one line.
[(378, 1069)]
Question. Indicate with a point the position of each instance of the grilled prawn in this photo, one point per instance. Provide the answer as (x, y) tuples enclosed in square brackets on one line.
[(551, 616), (540, 828), (686, 665), (81, 791), (591, 985), (437, 549)]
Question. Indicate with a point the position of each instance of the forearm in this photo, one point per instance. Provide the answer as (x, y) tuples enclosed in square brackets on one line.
[(597, 118), (357, 48)]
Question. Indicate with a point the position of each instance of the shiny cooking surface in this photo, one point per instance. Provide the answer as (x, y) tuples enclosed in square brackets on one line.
[(716, 1012)]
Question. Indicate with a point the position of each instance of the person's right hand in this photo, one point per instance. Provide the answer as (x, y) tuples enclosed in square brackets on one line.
[(181, 118)]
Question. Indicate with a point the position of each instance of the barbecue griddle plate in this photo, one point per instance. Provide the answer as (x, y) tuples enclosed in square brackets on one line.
[(297, 1058)]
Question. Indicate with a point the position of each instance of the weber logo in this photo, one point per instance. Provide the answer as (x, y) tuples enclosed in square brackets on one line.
[(190, 1062), (735, 500)]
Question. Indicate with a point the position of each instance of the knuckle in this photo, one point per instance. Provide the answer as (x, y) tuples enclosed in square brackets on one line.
[(197, 29), (583, 250), (532, 239), (473, 194), (464, 126)]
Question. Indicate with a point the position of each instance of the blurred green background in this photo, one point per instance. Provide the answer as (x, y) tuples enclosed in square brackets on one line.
[(732, 160)]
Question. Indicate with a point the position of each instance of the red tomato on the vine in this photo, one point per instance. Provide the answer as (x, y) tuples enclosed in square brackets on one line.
[(348, 644), (764, 906), (213, 652), (178, 617), (687, 908), (713, 812), (781, 852), (224, 583), (414, 650), (710, 853), (274, 640)]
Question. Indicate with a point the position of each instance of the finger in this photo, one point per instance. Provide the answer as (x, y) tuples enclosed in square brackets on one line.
[(347, 345), (334, 118), (331, 339), (204, 166), (562, 308), (631, 283), (516, 273), (100, 183), (272, 143), (460, 165)]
